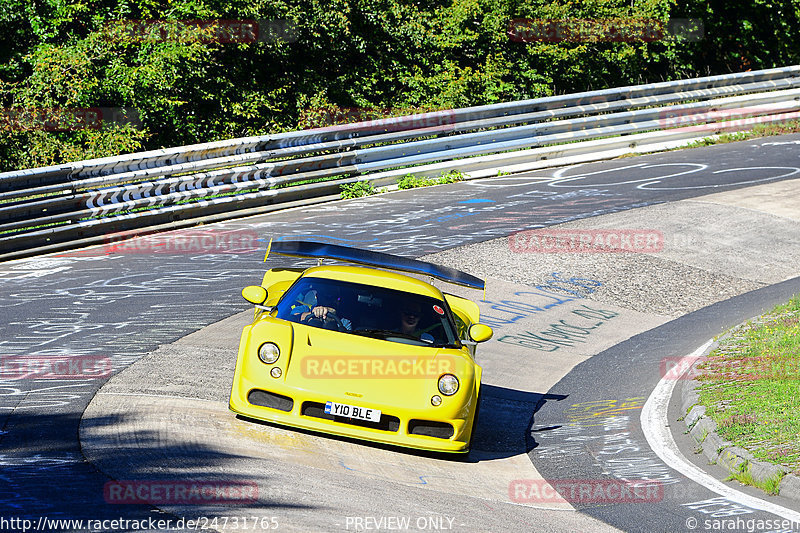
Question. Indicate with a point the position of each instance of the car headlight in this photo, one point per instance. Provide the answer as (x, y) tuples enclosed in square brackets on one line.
[(269, 352), (448, 384)]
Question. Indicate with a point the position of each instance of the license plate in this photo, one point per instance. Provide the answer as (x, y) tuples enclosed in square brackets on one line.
[(352, 411)]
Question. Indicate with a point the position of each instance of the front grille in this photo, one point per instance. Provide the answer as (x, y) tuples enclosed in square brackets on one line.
[(317, 410), (429, 428), (270, 399)]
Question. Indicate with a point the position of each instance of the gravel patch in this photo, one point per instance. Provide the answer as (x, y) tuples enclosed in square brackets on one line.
[(709, 252), (640, 282)]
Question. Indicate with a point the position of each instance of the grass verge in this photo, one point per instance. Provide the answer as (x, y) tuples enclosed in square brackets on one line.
[(745, 477), (409, 181), (412, 182), (759, 130), (750, 386)]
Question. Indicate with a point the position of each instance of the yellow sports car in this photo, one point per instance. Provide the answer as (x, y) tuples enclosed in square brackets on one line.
[(362, 351)]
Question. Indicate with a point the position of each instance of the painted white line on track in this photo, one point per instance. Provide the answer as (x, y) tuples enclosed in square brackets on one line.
[(657, 432), (647, 181), (646, 186), (560, 172)]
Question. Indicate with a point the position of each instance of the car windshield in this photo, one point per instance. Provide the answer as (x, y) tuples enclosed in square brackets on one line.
[(369, 311)]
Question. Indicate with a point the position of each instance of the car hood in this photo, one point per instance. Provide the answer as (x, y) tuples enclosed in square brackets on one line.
[(342, 363)]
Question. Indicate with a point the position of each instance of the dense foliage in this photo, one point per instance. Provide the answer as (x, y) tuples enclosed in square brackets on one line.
[(186, 84)]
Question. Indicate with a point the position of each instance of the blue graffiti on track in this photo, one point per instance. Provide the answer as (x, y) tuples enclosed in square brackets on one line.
[(552, 293)]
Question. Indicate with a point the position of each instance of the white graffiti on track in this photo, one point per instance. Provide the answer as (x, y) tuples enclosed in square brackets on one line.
[(719, 507), (654, 174), (78, 320), (780, 143), (414, 231), (567, 181), (18, 398), (56, 330), (167, 283), (39, 460), (748, 171), (603, 430), (165, 280)]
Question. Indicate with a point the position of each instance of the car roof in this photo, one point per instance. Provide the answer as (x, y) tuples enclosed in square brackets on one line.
[(374, 277)]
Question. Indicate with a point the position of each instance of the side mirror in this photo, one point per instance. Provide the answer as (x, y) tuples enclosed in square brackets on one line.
[(480, 332), (255, 294)]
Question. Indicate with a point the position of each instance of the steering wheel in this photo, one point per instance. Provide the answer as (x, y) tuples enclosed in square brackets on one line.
[(330, 319)]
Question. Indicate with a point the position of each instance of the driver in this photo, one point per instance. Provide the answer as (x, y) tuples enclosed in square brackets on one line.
[(319, 309)]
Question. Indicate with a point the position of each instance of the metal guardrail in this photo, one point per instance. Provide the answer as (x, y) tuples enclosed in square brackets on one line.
[(51, 208)]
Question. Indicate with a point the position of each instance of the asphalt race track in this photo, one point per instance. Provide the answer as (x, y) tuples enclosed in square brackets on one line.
[(572, 417)]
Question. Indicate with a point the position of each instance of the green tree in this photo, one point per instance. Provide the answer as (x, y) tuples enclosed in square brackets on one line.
[(186, 85)]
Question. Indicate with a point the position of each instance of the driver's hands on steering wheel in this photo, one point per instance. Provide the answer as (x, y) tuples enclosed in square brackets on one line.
[(326, 315), (319, 311), (322, 312)]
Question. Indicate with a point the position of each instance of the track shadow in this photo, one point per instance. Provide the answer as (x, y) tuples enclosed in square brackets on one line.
[(504, 422), (531, 432), (49, 475)]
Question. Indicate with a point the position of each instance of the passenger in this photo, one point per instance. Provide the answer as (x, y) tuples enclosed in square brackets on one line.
[(410, 314), (409, 317)]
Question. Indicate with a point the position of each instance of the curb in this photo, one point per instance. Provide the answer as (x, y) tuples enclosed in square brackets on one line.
[(736, 460)]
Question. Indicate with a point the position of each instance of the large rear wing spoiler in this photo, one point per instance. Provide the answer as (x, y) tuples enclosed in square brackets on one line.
[(307, 249)]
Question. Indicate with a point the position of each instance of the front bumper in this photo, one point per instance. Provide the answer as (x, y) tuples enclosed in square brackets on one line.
[(304, 413)]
